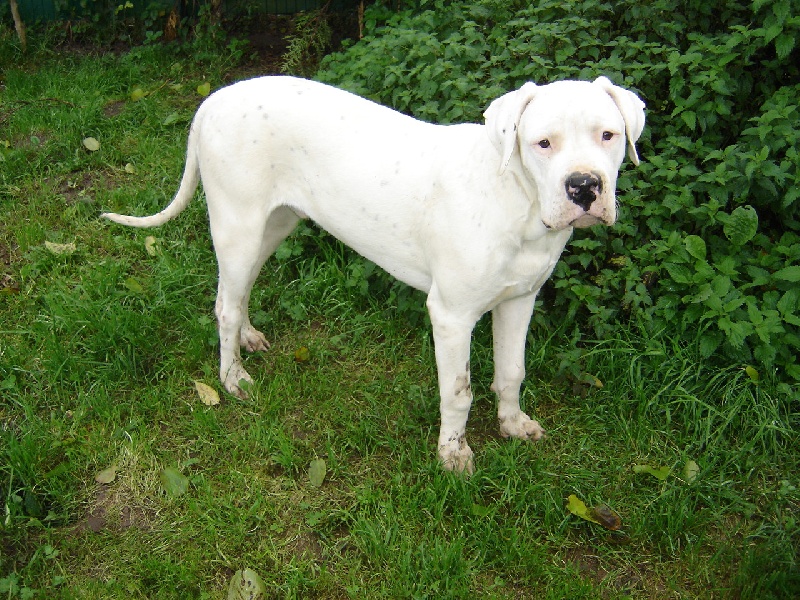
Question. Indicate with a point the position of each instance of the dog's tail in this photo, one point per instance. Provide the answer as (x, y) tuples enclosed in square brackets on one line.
[(191, 177)]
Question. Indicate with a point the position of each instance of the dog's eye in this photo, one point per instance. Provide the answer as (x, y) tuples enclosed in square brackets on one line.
[(544, 143), (607, 135)]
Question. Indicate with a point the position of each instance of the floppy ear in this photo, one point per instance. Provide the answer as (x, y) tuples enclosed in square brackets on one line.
[(502, 119), (632, 109)]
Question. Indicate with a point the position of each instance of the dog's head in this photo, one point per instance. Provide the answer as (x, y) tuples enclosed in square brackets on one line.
[(568, 139)]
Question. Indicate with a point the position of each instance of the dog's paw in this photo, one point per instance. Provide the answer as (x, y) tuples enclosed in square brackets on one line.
[(236, 381), (457, 456), (521, 426), (252, 340)]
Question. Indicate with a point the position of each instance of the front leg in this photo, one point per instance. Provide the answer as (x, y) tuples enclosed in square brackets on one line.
[(510, 322), (451, 336)]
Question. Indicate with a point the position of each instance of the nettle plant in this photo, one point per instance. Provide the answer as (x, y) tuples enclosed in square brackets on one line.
[(708, 241)]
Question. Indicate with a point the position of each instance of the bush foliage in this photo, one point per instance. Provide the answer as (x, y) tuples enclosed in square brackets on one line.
[(707, 245)]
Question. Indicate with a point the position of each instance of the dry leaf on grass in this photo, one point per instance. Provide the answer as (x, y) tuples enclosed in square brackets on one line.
[(208, 395), (106, 476), (60, 249)]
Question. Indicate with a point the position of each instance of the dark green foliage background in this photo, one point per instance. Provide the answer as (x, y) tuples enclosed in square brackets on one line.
[(707, 242)]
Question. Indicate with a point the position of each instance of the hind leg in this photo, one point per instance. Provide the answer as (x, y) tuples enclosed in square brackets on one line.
[(250, 338), (241, 252)]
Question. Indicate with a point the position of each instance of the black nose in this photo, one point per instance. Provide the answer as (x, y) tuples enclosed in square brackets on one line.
[(583, 188)]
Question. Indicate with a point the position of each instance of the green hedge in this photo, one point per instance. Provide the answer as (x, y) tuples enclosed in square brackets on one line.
[(707, 246), (104, 10)]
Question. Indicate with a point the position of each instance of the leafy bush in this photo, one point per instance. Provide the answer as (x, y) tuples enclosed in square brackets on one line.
[(308, 43), (708, 242)]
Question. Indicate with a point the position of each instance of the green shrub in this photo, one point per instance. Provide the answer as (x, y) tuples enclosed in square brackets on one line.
[(707, 245)]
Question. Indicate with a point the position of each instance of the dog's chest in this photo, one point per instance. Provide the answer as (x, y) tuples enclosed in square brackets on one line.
[(529, 267)]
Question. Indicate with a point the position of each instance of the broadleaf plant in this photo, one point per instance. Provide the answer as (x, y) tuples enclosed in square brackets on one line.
[(708, 234)]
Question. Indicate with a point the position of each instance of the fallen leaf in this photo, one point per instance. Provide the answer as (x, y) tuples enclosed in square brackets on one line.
[(578, 508), (606, 517), (134, 285), (172, 118), (60, 249), (106, 475), (660, 473), (594, 381), (302, 354), (690, 471), (208, 395), (601, 515), (150, 245), (316, 472), (204, 89), (174, 482), (91, 144), (246, 585)]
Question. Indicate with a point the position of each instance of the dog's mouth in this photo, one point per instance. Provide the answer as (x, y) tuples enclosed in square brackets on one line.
[(586, 220), (581, 222)]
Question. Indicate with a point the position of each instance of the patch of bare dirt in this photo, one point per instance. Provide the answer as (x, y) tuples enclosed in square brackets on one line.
[(8, 255), (113, 108), (110, 510), (640, 578), (305, 546), (80, 185)]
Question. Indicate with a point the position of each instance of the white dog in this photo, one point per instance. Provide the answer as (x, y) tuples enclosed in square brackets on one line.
[(476, 216)]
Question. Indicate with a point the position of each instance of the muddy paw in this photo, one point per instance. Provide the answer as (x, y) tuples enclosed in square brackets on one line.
[(457, 456), (236, 381), (521, 426)]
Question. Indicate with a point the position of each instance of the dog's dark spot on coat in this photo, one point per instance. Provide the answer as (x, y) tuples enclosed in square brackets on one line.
[(460, 438), (462, 385)]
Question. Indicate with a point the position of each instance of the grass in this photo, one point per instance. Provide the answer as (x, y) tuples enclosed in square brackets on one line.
[(100, 346)]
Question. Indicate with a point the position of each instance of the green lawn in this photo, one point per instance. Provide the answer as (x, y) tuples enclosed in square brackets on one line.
[(104, 332)]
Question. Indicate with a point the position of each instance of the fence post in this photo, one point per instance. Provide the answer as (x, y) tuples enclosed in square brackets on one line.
[(19, 25)]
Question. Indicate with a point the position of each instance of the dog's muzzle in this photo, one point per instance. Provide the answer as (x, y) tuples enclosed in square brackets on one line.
[(583, 188)]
